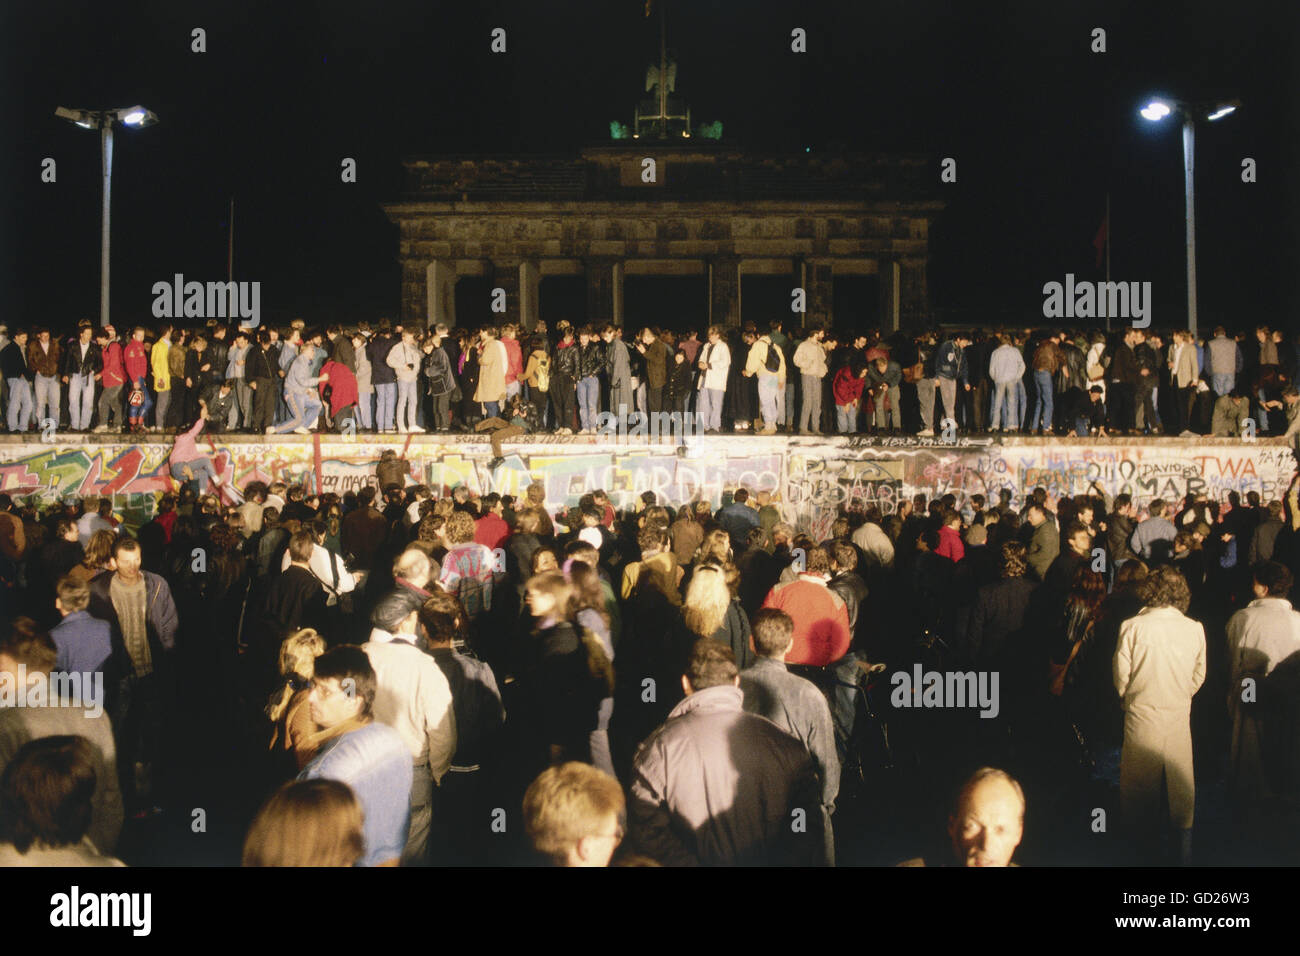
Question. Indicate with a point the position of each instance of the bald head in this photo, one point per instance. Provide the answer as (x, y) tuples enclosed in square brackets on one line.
[(988, 820)]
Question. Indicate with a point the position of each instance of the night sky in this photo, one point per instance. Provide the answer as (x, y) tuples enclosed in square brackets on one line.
[(1041, 129)]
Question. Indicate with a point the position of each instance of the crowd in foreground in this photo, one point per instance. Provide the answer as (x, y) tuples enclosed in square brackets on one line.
[(403, 677), (390, 379)]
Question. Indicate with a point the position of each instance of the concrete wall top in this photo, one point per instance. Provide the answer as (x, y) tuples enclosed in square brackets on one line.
[(812, 478)]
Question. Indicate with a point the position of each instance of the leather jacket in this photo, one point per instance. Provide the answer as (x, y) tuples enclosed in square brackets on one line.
[(566, 362), (591, 359)]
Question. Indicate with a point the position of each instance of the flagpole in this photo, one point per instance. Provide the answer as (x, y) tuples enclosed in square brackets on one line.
[(230, 244), (1109, 232)]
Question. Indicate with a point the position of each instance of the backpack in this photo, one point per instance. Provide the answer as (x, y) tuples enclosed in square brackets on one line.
[(544, 374), (773, 363)]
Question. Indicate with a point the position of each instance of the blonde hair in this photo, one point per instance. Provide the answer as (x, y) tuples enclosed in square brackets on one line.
[(707, 600), (307, 823), (298, 655), (567, 803), (716, 546)]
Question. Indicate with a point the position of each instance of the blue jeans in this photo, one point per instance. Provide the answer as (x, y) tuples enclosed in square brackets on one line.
[(1081, 427), (1003, 413), (769, 399), (47, 398), (1042, 401), (202, 470), (363, 410), (846, 418), (1221, 383), (385, 406), (81, 400), (711, 408), (588, 401), (304, 409), (20, 404), (137, 413), (491, 409), (406, 402)]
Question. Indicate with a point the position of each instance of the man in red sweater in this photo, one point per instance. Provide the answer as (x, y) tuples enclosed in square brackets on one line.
[(950, 543), (821, 619), (342, 401), (491, 529), (514, 359), (114, 377), (136, 359)]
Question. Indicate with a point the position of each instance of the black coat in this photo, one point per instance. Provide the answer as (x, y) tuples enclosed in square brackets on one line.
[(997, 618), (13, 362), (74, 364)]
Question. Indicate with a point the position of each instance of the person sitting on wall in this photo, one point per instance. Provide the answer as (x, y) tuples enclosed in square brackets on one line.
[(524, 419), (187, 465)]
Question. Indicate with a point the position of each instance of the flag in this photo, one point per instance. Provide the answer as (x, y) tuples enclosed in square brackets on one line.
[(1099, 241)]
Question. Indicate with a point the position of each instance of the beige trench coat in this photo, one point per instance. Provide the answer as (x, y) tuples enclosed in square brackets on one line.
[(1159, 665)]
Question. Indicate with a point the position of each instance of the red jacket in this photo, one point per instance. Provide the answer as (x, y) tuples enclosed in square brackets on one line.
[(950, 544), (342, 384), (846, 386), (821, 620), (114, 371), (137, 361), (491, 531), (514, 360)]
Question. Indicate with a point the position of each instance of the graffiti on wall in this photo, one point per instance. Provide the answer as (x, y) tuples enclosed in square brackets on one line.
[(812, 480)]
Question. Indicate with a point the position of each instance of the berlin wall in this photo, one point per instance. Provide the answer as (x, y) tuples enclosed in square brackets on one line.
[(812, 477)]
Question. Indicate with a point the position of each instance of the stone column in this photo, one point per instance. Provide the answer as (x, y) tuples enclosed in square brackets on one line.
[(890, 295), (505, 275), (914, 295), (724, 291), (440, 291), (604, 291), (530, 278), (818, 277)]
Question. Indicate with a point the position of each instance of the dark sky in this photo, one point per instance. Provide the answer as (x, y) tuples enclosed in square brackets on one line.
[(1040, 126)]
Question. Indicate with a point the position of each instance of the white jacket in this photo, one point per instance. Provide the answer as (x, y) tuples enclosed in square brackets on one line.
[(810, 358), (400, 356), (1159, 665), (413, 697), (719, 359)]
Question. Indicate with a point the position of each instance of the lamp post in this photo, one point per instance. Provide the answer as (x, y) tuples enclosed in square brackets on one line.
[(1157, 110), (103, 120)]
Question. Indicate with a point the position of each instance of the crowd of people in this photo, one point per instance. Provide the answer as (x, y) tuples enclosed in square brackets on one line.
[(406, 675), (390, 379)]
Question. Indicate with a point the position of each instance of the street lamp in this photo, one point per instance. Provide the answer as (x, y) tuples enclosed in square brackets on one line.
[(1157, 110), (134, 116)]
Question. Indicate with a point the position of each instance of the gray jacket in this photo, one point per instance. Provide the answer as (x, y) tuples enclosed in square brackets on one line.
[(1044, 545), (617, 364), (717, 786), (1225, 356), (800, 709)]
